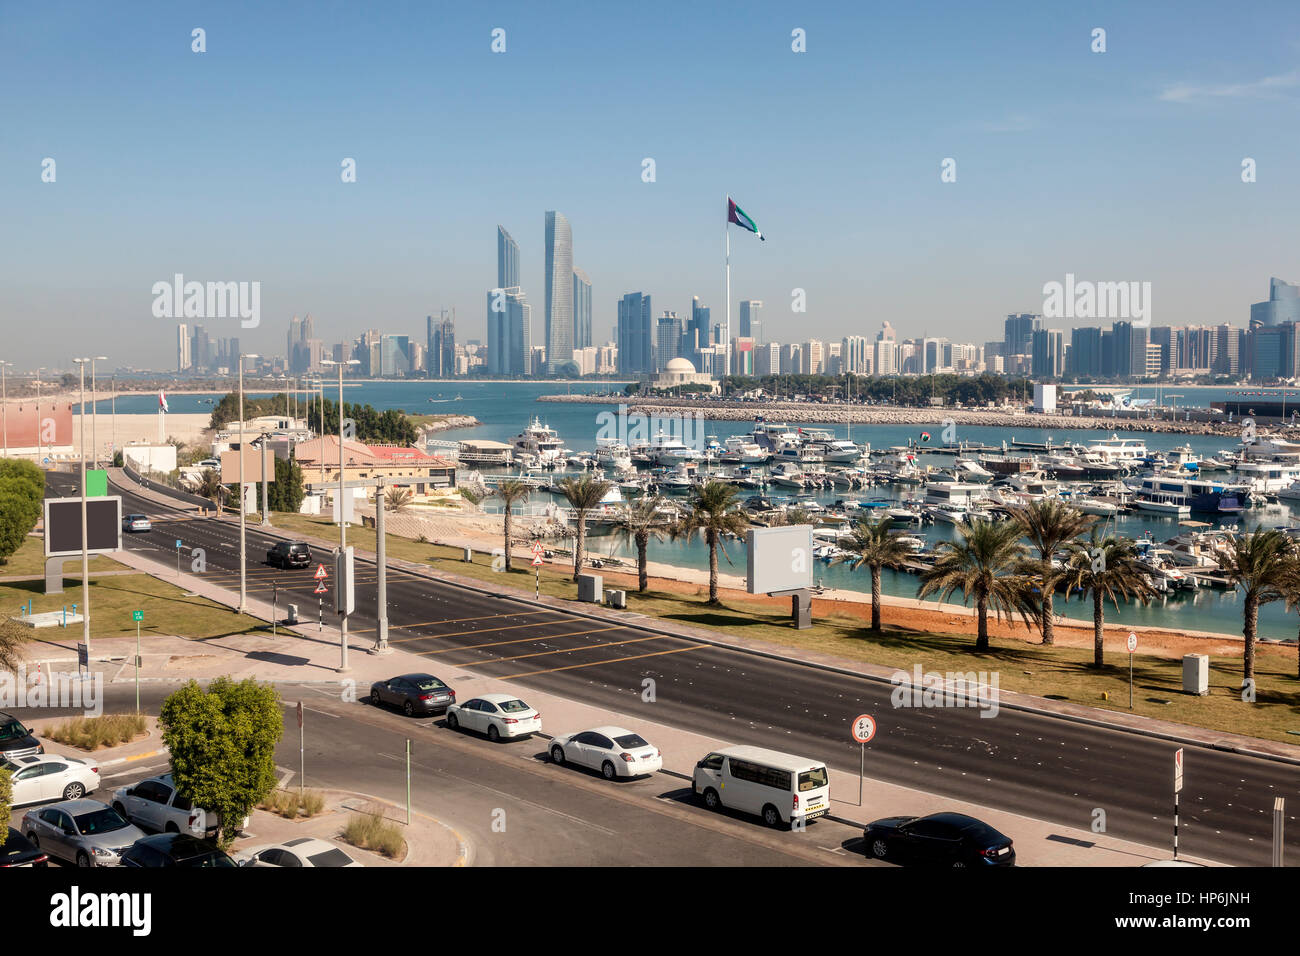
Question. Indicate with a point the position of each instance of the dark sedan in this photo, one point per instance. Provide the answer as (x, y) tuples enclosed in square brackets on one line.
[(414, 694), (941, 839), (17, 850), (175, 849)]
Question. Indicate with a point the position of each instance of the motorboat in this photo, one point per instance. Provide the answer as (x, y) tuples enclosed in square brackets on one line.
[(541, 443), (613, 456), (786, 475), (739, 451)]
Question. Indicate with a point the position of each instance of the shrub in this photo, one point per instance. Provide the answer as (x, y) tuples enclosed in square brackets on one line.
[(91, 733), (370, 831)]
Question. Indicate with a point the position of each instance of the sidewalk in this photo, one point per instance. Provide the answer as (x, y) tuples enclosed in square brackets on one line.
[(312, 656)]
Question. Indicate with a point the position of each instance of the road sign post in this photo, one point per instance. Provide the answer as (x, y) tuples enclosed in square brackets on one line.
[(137, 616), (275, 601), (864, 728), (408, 781), (178, 559), (537, 571), (302, 759), (1178, 787), (1132, 646)]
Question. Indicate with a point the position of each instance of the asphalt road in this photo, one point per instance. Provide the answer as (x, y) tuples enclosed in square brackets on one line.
[(1038, 766)]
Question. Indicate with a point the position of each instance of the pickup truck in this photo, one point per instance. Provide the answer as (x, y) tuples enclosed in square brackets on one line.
[(157, 805)]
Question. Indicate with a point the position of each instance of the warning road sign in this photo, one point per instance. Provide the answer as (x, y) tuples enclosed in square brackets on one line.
[(321, 573), (321, 588), (537, 560)]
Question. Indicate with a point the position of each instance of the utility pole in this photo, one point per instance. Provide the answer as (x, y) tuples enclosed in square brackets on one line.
[(343, 525), (85, 555), (381, 558), (243, 543)]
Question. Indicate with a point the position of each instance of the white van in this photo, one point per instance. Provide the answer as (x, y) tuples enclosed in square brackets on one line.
[(780, 788)]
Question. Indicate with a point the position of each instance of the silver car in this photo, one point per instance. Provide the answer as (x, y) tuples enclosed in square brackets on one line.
[(84, 832)]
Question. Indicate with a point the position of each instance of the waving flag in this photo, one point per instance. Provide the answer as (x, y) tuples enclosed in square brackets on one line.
[(737, 215), (162, 401)]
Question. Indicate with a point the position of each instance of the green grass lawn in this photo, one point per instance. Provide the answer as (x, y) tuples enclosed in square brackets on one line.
[(30, 559), (1061, 673)]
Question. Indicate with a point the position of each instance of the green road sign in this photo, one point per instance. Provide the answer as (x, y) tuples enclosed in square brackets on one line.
[(137, 615), (96, 483)]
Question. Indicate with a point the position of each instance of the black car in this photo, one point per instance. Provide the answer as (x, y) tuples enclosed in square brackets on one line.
[(17, 850), (175, 849), (414, 693), (289, 554), (941, 839), (16, 740)]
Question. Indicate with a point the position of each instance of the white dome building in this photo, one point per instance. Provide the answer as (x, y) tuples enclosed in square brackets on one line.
[(680, 371)]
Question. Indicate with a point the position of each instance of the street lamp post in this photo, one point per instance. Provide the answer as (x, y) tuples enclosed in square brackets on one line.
[(94, 408), (85, 553), (4, 404), (243, 544), (38, 410), (266, 519), (343, 525)]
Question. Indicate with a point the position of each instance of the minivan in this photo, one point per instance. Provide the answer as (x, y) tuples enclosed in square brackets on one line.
[(781, 788), (289, 554)]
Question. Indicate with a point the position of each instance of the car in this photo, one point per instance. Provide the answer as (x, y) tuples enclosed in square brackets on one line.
[(84, 832), (414, 693), (210, 463), (45, 777), (17, 850), (289, 554), (136, 523), (155, 804), (613, 751), (779, 787), (940, 839), (301, 852), (175, 849), (497, 715), (17, 740)]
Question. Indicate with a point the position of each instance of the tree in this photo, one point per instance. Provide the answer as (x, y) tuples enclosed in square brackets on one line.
[(1048, 524), (222, 743), (583, 494), (714, 513), (26, 471), (6, 803), (639, 521), (984, 564), (210, 487), (397, 498), (1104, 568), (20, 509), (13, 638), (511, 492), (876, 545), (1258, 563), (286, 491)]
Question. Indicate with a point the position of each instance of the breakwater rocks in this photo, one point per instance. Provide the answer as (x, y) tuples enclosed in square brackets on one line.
[(816, 413), (449, 422)]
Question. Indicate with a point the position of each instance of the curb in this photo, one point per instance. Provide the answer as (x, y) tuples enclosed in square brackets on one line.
[(121, 760)]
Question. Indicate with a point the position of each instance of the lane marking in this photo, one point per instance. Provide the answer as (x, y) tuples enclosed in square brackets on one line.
[(481, 630), (518, 640), (570, 650), (635, 657)]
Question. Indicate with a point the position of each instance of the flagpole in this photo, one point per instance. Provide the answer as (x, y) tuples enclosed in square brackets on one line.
[(727, 343)]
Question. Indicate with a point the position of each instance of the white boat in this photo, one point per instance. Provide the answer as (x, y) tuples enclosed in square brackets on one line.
[(668, 450), (738, 450), (1171, 509), (541, 442), (1096, 506), (968, 469), (1116, 449), (839, 451), (1290, 493), (798, 453), (787, 475), (948, 515), (1267, 477), (1270, 446), (614, 456)]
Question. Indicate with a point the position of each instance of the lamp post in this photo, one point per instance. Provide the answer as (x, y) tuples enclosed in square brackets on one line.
[(343, 525), (243, 544), (85, 555), (94, 408), (4, 404), (38, 410), (266, 517)]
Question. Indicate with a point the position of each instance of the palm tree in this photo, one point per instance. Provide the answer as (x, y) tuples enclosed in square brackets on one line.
[(1104, 568), (1290, 588), (512, 491), (877, 546), (1258, 562), (1048, 524), (583, 493), (639, 521), (396, 499), (984, 564), (715, 512), (210, 487)]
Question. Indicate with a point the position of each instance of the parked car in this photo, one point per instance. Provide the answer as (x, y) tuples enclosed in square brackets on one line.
[(302, 852), (17, 850), (497, 715), (137, 523), (84, 832), (613, 751), (940, 839), (44, 777), (414, 693), (779, 787), (175, 849), (17, 740), (156, 804), (210, 463), (289, 554)]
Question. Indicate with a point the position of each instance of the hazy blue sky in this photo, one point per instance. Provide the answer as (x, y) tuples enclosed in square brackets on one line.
[(225, 165)]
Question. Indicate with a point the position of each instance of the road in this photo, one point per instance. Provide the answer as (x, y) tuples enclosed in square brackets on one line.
[(1034, 765)]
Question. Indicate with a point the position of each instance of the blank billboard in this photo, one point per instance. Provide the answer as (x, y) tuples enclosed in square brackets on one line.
[(780, 559), (252, 466), (63, 525)]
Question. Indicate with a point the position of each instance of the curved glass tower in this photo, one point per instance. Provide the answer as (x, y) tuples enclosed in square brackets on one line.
[(559, 292)]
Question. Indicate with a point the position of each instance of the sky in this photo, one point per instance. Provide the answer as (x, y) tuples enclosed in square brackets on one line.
[(225, 165)]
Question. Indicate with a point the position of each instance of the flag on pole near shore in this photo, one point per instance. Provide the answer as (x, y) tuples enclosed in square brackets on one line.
[(738, 216), (162, 402)]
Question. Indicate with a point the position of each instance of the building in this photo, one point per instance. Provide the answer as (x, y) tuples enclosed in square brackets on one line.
[(395, 356), (635, 335), (812, 359), (362, 462), (668, 340), (1272, 352), (559, 291), (1018, 333), (1085, 352), (1048, 351), (1283, 305), (679, 372), (767, 358), (698, 333), (440, 349), (510, 333), (751, 320), (1229, 348), (791, 359), (183, 360), (855, 354), (885, 349), (507, 260), (581, 310)]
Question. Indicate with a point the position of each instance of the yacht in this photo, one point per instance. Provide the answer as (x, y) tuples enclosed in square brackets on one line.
[(1198, 494), (1116, 449), (739, 450), (1267, 477), (541, 443), (1167, 506), (787, 475), (668, 450), (838, 451), (799, 454), (613, 456), (1270, 446), (967, 469), (1290, 493)]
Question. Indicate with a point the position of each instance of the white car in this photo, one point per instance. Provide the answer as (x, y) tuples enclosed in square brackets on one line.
[(613, 751), (156, 805), (300, 852), (51, 777), (497, 715)]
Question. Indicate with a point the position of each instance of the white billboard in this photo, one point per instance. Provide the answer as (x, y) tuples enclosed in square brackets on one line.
[(780, 559)]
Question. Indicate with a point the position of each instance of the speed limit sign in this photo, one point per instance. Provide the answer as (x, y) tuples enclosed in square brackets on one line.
[(1132, 643), (864, 728)]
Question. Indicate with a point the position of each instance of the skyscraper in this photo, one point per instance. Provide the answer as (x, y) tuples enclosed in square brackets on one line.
[(581, 310), (668, 340), (697, 332), (510, 332), (182, 347), (559, 292), (751, 320), (1019, 333), (635, 335), (441, 350), (1283, 305), (507, 260)]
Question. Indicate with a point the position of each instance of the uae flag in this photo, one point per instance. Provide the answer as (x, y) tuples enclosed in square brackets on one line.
[(737, 215), (162, 401)]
